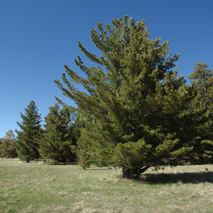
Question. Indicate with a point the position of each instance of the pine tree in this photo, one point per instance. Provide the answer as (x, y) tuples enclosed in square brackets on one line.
[(58, 143), (202, 78), (202, 82), (28, 137), (135, 99)]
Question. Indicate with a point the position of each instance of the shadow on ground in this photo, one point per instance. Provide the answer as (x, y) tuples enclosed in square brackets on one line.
[(194, 177)]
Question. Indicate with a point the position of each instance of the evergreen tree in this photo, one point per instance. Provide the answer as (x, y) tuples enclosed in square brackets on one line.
[(202, 79), (58, 142), (138, 106), (7, 145), (202, 82), (28, 137)]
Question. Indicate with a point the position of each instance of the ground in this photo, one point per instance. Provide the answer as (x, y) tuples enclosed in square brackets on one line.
[(38, 187)]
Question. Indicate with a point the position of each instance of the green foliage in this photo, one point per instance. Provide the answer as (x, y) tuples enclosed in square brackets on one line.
[(57, 142), (92, 147), (202, 82), (7, 145), (143, 110), (202, 78), (129, 154), (28, 137)]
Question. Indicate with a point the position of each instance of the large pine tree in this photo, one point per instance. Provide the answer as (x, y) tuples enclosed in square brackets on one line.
[(57, 140), (137, 104), (28, 137)]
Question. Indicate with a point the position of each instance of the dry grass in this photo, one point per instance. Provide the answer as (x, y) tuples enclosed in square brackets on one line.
[(38, 187)]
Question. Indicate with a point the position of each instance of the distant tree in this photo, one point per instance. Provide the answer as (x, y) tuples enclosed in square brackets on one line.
[(202, 82), (57, 142), (10, 135), (202, 79), (140, 109), (28, 137), (7, 145)]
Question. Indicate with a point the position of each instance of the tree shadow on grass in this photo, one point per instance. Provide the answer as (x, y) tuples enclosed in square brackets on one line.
[(186, 177), (98, 168)]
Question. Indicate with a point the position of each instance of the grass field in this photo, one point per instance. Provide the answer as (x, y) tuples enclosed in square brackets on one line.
[(38, 187)]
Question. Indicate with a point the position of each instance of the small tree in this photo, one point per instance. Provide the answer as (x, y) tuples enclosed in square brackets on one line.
[(28, 137), (57, 143), (7, 145), (10, 135), (139, 105)]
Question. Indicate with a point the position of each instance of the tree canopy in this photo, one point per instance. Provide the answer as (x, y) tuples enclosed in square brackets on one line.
[(202, 77), (202, 82), (141, 113)]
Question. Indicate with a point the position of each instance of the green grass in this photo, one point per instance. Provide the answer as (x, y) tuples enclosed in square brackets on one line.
[(38, 187)]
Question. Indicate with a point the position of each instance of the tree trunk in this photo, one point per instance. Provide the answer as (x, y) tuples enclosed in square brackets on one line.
[(134, 173), (131, 173)]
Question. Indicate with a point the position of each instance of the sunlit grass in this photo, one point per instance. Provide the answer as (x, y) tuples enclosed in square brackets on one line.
[(38, 187)]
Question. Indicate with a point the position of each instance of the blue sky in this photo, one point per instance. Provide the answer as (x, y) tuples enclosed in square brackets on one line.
[(37, 37)]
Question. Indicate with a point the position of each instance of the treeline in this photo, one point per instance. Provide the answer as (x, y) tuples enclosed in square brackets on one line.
[(135, 112), (56, 141), (71, 136)]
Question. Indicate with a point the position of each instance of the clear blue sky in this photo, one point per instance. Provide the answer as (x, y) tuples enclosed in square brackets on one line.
[(37, 37)]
